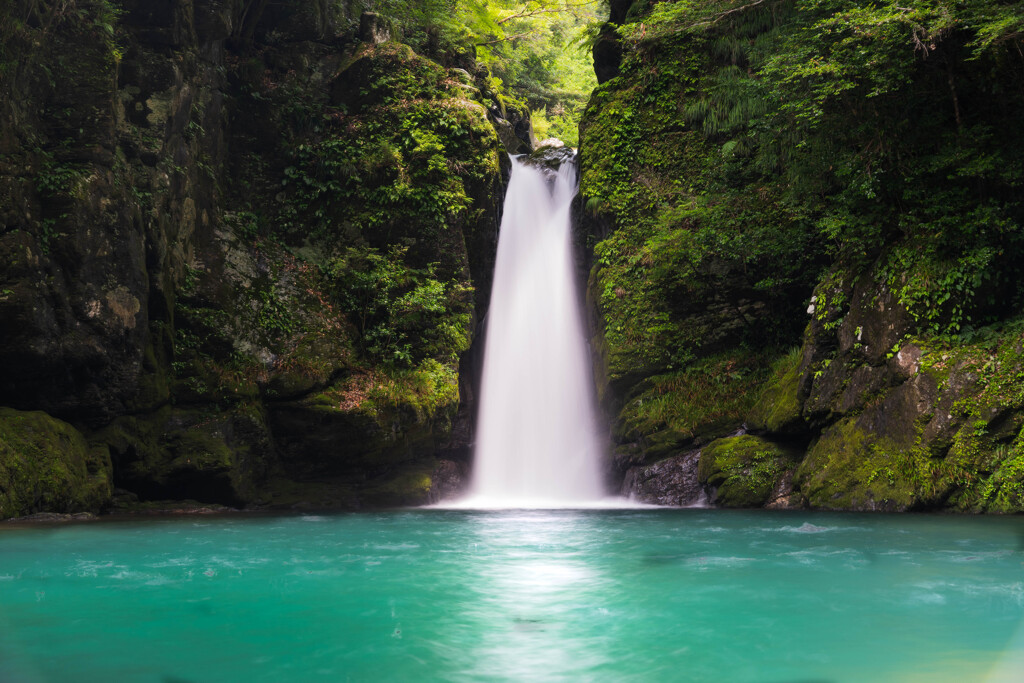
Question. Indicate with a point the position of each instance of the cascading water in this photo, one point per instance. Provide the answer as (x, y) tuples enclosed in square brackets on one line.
[(537, 438)]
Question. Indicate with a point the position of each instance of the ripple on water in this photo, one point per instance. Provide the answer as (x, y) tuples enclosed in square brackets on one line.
[(807, 528), (173, 562), (707, 562), (659, 596)]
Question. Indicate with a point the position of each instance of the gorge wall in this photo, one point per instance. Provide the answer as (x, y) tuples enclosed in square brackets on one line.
[(807, 251), (245, 248)]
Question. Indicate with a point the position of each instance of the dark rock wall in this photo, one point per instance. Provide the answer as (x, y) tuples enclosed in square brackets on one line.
[(171, 293)]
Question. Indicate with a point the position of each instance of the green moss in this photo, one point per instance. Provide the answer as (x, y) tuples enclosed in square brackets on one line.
[(402, 155), (778, 409), (969, 462), (388, 74), (698, 256), (744, 470), (388, 406), (983, 376), (431, 390), (202, 450), (204, 453), (1003, 491), (851, 469), (702, 402), (47, 466), (409, 486)]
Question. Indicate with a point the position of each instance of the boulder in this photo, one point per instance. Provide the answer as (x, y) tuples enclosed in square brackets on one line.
[(46, 465), (672, 481), (747, 471)]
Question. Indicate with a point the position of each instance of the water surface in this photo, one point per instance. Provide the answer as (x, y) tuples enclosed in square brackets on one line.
[(643, 595)]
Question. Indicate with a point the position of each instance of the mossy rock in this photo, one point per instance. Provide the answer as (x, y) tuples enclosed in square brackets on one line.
[(385, 74), (745, 471), (551, 157), (367, 422), (778, 409), (46, 465), (983, 470), (402, 485), (668, 413), (410, 485), (1003, 492), (200, 453), (851, 468)]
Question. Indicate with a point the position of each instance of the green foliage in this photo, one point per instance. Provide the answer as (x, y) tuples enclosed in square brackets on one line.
[(430, 389), (693, 228), (707, 399), (532, 47), (402, 314), (940, 293), (24, 24), (778, 410), (882, 136), (273, 315), (402, 170), (57, 185), (246, 224), (381, 196), (55, 180)]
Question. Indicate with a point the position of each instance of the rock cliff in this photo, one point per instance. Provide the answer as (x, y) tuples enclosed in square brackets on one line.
[(806, 291), (244, 251)]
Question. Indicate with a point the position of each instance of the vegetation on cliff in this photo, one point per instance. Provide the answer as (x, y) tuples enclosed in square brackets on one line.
[(858, 161), (536, 50), (237, 234), (247, 245)]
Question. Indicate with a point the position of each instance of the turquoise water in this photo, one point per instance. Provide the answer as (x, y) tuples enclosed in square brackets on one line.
[(629, 595)]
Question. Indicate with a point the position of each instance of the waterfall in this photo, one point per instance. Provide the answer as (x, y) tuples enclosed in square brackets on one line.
[(537, 432)]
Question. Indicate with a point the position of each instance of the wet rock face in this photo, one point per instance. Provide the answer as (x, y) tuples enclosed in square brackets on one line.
[(72, 253), (449, 480), (191, 453), (672, 481), (550, 157), (898, 420)]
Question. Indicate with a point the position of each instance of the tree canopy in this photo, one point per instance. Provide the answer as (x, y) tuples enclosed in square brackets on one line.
[(535, 49)]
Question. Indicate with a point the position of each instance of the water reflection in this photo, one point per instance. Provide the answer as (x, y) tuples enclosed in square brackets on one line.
[(529, 590)]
